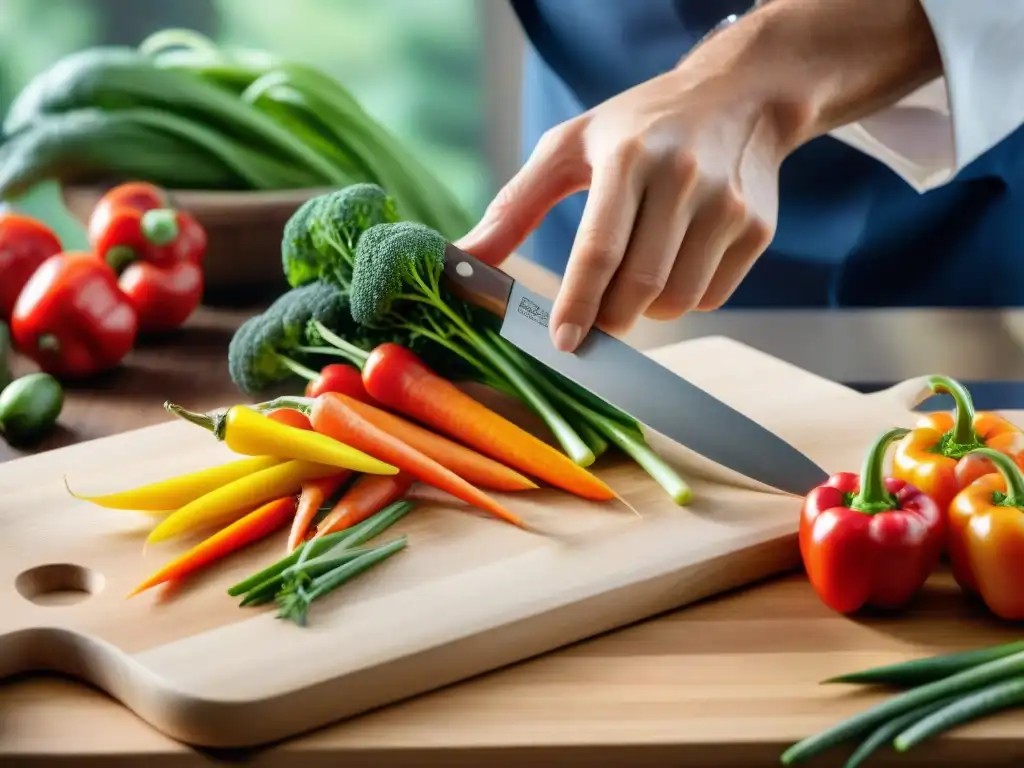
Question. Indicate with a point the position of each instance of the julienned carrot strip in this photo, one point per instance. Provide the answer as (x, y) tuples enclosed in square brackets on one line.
[(261, 522), (367, 496), (314, 493), (399, 380), (331, 417), (470, 465)]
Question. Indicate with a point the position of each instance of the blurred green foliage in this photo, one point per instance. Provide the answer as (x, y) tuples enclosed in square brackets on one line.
[(416, 65)]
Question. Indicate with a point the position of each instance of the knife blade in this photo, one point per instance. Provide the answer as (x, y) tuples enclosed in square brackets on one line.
[(634, 383)]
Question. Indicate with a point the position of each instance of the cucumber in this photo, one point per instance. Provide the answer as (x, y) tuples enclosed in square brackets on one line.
[(5, 354), (29, 408)]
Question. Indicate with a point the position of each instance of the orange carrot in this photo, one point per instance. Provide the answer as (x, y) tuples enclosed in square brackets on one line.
[(314, 492), (395, 377), (331, 417), (367, 496), (261, 522), (471, 466), (291, 417)]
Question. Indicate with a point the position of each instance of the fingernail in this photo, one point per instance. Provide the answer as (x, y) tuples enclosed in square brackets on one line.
[(568, 336)]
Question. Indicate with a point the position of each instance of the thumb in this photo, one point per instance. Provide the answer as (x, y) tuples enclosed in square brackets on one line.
[(554, 171)]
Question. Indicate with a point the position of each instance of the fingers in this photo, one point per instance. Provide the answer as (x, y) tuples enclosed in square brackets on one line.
[(716, 225), (556, 169), (598, 249), (665, 214), (736, 263)]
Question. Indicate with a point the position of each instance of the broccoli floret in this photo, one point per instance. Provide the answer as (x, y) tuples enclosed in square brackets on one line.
[(270, 348), (338, 222), (299, 257)]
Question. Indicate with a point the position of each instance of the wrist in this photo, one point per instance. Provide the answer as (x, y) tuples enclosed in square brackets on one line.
[(812, 67)]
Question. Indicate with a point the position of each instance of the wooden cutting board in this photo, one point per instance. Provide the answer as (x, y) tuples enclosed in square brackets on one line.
[(468, 595)]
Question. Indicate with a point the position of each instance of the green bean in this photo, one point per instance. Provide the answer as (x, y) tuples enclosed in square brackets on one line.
[(960, 683), (887, 732), (918, 671), (993, 698)]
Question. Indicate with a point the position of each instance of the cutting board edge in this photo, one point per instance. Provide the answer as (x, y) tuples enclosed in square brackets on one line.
[(206, 723)]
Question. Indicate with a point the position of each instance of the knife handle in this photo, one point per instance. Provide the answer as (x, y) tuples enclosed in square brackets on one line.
[(476, 282)]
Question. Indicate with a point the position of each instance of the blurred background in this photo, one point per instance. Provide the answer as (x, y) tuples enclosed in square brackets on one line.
[(442, 74)]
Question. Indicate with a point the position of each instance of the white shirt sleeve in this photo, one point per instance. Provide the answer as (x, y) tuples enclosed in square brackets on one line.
[(933, 133)]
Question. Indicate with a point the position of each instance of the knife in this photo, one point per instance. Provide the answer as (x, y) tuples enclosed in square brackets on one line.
[(633, 382)]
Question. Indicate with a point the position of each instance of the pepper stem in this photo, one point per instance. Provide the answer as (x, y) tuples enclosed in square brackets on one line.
[(204, 420), (873, 496), (301, 404), (160, 225), (1011, 474), (963, 433), (48, 342), (119, 257)]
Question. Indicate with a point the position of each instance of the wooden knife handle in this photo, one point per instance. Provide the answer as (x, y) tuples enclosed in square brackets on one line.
[(476, 282)]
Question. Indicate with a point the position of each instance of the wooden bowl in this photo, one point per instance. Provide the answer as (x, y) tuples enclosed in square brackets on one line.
[(243, 260)]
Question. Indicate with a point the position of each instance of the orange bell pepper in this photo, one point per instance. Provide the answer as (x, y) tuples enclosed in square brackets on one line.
[(938, 457), (986, 537)]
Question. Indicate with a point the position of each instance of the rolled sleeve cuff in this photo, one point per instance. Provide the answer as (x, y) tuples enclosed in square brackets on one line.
[(928, 137)]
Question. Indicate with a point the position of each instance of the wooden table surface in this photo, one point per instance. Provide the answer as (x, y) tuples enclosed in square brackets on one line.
[(728, 682)]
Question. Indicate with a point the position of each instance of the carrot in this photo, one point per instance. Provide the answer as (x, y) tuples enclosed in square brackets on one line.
[(331, 417), (314, 492), (399, 380), (367, 496), (291, 418), (471, 466), (261, 522)]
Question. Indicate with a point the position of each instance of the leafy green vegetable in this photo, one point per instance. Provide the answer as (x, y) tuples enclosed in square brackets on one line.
[(114, 78), (90, 142), (269, 349)]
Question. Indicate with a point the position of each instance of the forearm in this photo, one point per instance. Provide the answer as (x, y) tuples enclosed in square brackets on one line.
[(820, 64)]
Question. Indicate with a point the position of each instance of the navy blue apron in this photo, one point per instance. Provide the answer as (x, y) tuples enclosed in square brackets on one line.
[(850, 231)]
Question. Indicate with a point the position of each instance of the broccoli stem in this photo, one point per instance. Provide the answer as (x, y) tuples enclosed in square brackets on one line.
[(573, 445), (342, 348), (628, 440), (297, 368)]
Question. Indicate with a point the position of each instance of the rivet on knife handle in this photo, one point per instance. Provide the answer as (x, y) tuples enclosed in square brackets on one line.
[(474, 281)]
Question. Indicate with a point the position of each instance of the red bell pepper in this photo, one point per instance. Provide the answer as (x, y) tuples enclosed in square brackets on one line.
[(25, 243), (870, 540), (158, 254), (136, 195), (72, 319)]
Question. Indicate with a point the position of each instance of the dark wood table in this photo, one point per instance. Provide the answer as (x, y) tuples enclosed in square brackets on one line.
[(188, 367)]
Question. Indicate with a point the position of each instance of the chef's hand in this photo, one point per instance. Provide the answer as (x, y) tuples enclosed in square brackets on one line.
[(682, 173), (682, 170)]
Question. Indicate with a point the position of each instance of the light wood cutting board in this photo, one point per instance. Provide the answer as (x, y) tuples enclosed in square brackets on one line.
[(468, 595)]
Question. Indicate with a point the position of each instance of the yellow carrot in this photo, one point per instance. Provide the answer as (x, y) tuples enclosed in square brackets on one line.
[(164, 496), (246, 431), (229, 502)]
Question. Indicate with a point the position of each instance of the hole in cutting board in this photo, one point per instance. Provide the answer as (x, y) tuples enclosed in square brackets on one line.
[(58, 584)]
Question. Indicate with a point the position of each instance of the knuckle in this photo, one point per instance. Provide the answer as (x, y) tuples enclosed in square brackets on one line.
[(683, 167), (628, 155), (759, 235), (673, 305), (552, 140), (642, 284), (711, 301)]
